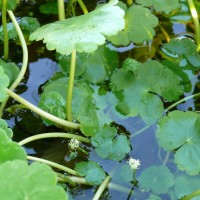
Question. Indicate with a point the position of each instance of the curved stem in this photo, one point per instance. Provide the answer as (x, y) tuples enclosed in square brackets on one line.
[(41, 112), (83, 7), (53, 164), (5, 31), (61, 9), (140, 131), (181, 101), (191, 196), (52, 135), (101, 188), (196, 22), (70, 86), (24, 60)]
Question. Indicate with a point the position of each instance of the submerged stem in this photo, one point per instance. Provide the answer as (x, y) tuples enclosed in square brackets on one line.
[(196, 22), (53, 135), (70, 86), (5, 31), (53, 164), (191, 196), (61, 9), (41, 112)]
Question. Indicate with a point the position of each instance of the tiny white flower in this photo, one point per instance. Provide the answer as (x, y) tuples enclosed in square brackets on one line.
[(134, 163), (73, 144)]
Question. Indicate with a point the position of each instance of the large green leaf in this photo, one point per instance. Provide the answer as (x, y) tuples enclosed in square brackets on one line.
[(161, 5), (110, 145), (4, 82), (140, 24), (35, 182), (180, 131), (138, 91), (156, 178), (82, 33), (9, 150)]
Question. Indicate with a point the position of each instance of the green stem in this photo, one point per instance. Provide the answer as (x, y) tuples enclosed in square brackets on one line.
[(129, 2), (5, 31), (181, 101), (191, 196), (70, 86), (101, 188), (52, 135), (139, 131), (119, 188), (53, 164), (196, 22), (61, 9), (41, 112), (24, 60), (83, 7), (66, 179)]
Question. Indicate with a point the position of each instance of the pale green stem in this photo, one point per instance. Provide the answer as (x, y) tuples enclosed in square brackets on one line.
[(101, 188), (181, 101), (129, 2), (83, 7), (191, 196), (41, 112), (24, 60), (66, 179), (166, 158), (139, 131), (5, 31), (70, 86), (61, 9), (53, 135), (196, 22), (119, 188), (79, 180), (53, 164)]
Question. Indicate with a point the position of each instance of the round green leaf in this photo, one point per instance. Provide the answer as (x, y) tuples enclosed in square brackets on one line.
[(49, 8), (4, 82), (93, 173), (29, 24), (4, 127), (35, 182), (156, 178), (82, 33)]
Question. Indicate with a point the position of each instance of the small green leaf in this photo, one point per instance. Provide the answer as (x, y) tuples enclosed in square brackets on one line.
[(11, 4), (29, 24), (156, 178), (139, 95), (4, 127), (36, 181), (53, 103), (82, 33), (180, 130), (110, 145), (161, 5), (140, 24), (49, 8), (9, 150), (12, 34), (93, 173), (4, 83)]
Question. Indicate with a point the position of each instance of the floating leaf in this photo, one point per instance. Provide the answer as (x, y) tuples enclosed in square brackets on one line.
[(53, 103), (4, 82), (12, 34), (9, 150), (49, 8), (93, 173), (37, 181), (29, 24), (4, 127), (139, 95), (110, 145), (140, 24), (180, 130), (156, 178), (82, 33), (161, 5)]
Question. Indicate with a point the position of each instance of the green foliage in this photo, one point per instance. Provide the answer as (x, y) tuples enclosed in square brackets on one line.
[(156, 178), (110, 145), (140, 24), (140, 96), (12, 34), (29, 24), (4, 82), (82, 33), (161, 5), (180, 130), (36, 181), (92, 172), (9, 150), (53, 103), (11, 4), (4, 128), (49, 8)]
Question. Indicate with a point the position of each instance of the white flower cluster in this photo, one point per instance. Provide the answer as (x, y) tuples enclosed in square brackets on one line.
[(134, 163), (73, 144)]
